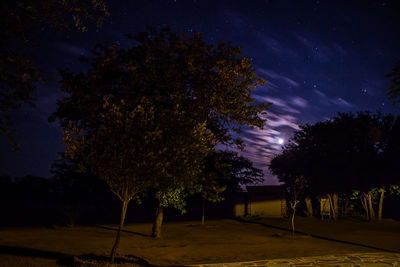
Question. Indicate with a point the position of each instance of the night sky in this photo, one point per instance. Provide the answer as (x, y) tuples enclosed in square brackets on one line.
[(318, 57)]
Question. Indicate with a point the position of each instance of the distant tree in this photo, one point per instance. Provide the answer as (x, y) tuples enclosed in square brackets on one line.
[(74, 186), (336, 156), (394, 89), (225, 171), (20, 20), (198, 84)]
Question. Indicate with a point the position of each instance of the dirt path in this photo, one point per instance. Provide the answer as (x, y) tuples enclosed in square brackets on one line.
[(381, 235), (182, 243), (360, 259)]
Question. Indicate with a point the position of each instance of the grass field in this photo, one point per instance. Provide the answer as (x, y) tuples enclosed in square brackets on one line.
[(186, 243)]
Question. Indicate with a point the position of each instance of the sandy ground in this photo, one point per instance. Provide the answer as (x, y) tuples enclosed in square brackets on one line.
[(186, 243), (383, 234)]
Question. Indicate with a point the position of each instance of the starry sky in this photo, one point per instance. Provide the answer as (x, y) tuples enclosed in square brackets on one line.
[(318, 58)]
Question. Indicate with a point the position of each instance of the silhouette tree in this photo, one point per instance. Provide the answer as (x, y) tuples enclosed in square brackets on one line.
[(394, 89), (225, 171), (337, 156), (20, 20), (187, 82)]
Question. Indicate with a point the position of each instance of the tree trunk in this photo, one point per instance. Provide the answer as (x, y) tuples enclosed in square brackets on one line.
[(364, 202), (203, 206), (332, 207), (121, 224), (294, 206), (158, 222), (309, 207), (371, 207), (381, 205), (336, 205)]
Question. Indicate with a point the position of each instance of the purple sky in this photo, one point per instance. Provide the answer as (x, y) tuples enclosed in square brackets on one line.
[(318, 57)]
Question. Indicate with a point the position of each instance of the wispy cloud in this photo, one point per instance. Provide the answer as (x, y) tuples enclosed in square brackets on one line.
[(263, 145), (320, 50), (299, 101), (339, 101), (71, 49), (276, 46), (271, 75), (319, 93)]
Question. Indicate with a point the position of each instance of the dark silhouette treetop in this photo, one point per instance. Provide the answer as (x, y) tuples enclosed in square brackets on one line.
[(226, 171), (394, 89), (20, 21), (337, 155)]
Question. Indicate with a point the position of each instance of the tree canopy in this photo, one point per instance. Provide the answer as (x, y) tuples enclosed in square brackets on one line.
[(351, 153), (20, 21), (394, 89), (226, 171), (212, 84), (336, 155)]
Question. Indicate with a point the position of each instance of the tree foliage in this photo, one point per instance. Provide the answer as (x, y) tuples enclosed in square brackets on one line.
[(199, 94), (349, 152), (226, 171), (149, 113), (19, 23), (394, 89)]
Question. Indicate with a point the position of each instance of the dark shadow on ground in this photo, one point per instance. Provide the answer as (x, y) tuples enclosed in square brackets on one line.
[(317, 236), (101, 260), (62, 258), (125, 231)]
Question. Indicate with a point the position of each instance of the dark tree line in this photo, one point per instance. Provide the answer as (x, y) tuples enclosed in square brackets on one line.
[(349, 156)]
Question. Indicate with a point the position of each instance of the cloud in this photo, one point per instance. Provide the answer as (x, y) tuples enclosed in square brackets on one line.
[(237, 20), (341, 102), (333, 100), (275, 76), (320, 50), (319, 93), (262, 145), (299, 101), (71, 49), (276, 46)]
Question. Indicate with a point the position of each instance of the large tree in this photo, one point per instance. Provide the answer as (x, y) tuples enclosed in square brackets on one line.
[(337, 156), (205, 85), (20, 21), (131, 148)]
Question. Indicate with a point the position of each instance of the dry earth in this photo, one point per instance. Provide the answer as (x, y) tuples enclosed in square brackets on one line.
[(186, 243)]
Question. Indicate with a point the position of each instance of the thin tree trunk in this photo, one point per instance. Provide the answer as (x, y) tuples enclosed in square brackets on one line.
[(157, 225), (203, 210), (294, 206), (332, 208), (309, 207), (365, 205), (371, 208), (336, 205), (381, 205), (121, 224)]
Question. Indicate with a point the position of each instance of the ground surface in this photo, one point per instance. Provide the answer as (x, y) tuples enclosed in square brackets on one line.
[(185, 243)]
